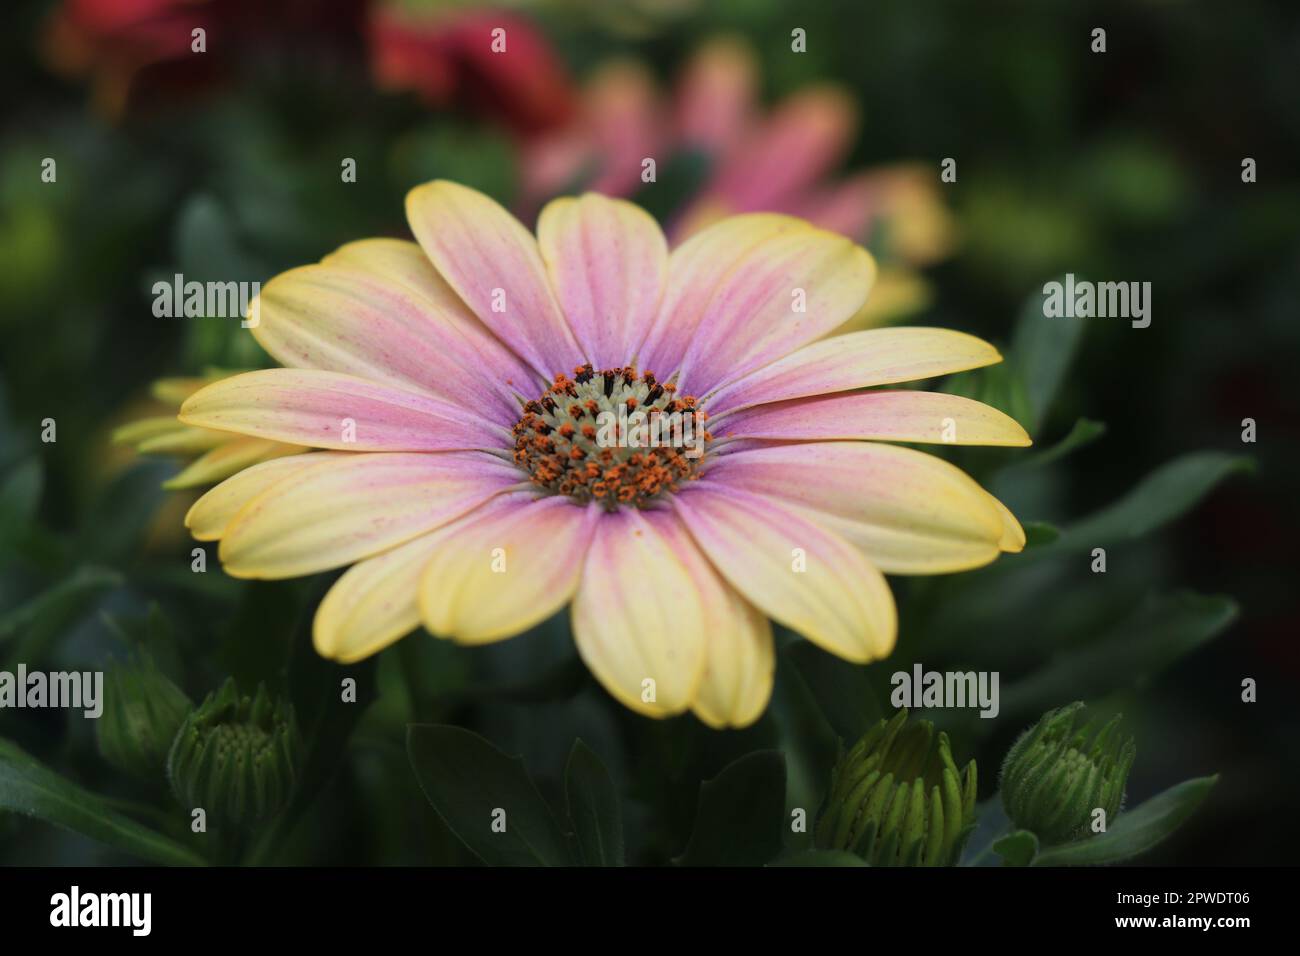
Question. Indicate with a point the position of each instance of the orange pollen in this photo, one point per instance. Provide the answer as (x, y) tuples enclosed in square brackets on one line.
[(636, 438)]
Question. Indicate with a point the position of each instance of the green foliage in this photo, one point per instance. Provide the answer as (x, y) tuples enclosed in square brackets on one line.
[(1061, 775), (487, 799), (236, 757), (740, 816), (594, 808), (142, 713), (1136, 831), (1137, 450), (29, 788), (897, 798)]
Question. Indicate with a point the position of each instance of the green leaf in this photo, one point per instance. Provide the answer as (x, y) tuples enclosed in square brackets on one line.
[(1159, 498), (1137, 830), (996, 385), (468, 780), (1042, 349), (47, 615), (30, 788), (476, 157), (594, 808), (1163, 628), (1039, 534), (116, 520), (991, 824), (841, 689), (20, 495), (1017, 849), (741, 814), (207, 243), (821, 858), (1085, 432)]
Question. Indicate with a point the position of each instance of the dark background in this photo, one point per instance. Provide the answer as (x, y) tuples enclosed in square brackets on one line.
[(1124, 165)]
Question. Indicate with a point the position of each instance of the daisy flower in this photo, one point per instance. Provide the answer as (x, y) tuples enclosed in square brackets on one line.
[(460, 389)]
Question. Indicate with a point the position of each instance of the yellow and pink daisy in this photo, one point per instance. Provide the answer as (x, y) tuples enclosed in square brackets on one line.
[(453, 391)]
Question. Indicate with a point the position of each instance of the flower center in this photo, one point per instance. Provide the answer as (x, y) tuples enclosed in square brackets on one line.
[(611, 436)]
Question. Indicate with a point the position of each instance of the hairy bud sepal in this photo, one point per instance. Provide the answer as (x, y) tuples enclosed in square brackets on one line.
[(142, 713), (1064, 769), (237, 757)]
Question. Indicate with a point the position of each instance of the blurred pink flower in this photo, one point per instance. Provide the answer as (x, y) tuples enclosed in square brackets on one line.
[(780, 160)]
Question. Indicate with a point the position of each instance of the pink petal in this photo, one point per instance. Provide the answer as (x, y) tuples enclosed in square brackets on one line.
[(627, 125), (806, 136), (857, 360), (493, 264), (332, 410), (790, 290), (793, 569), (377, 309), (911, 513), (696, 269), (608, 263), (350, 508), (716, 96), (882, 416)]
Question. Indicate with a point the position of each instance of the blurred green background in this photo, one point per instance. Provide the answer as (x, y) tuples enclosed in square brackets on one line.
[(1121, 166)]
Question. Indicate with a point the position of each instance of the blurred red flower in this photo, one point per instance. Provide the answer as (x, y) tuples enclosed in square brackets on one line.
[(494, 62), (129, 48)]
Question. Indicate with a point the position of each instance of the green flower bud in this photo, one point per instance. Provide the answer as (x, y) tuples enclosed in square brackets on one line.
[(236, 757), (1058, 774), (897, 798), (141, 715)]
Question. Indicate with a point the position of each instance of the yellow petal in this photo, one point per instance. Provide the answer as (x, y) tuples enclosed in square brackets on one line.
[(183, 440), (696, 268), (857, 360), (1013, 535), (209, 516), (144, 429), (910, 513), (739, 652), (784, 293), (173, 391), (376, 602), (378, 310), (794, 570), (638, 619), (225, 460), (354, 506), (505, 568)]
